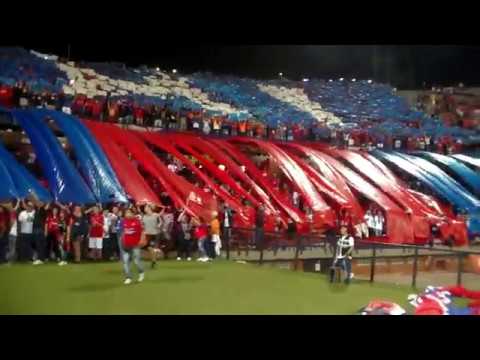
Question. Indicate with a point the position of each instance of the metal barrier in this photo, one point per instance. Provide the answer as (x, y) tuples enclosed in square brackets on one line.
[(255, 250), (459, 254)]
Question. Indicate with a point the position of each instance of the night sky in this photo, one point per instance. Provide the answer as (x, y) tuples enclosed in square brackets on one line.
[(404, 66)]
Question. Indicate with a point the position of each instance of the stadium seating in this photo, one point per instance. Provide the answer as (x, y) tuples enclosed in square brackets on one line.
[(349, 106)]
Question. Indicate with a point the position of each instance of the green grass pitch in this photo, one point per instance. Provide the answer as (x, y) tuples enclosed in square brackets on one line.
[(175, 287)]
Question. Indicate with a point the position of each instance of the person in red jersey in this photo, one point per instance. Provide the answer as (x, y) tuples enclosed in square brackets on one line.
[(52, 233), (95, 242), (132, 240)]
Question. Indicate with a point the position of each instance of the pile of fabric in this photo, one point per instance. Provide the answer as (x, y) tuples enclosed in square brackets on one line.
[(434, 300)]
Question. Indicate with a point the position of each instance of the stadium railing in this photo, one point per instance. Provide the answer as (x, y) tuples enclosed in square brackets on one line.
[(316, 248)]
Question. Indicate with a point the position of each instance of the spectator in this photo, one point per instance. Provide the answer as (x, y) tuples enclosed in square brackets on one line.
[(77, 232), (158, 121), (185, 237), (152, 224), (52, 234), (201, 234), (215, 235), (95, 242), (183, 122), (106, 233), (379, 221), (12, 236), (39, 221), (26, 239), (17, 93), (259, 226), (296, 199), (370, 221), (217, 125), (291, 230), (119, 230), (196, 124), (112, 247), (63, 243), (167, 221), (173, 121), (206, 126), (343, 257), (227, 223), (24, 101), (4, 230), (133, 238)]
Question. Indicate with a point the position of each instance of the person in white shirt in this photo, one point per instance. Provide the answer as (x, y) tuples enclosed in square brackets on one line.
[(166, 227), (369, 219), (12, 235), (26, 239), (379, 223), (343, 254), (206, 127), (296, 199), (113, 219)]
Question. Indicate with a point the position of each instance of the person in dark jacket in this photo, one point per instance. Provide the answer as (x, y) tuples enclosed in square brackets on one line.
[(39, 240), (227, 222), (77, 232), (259, 226)]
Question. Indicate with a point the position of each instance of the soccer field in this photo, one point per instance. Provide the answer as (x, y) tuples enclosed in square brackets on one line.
[(182, 288)]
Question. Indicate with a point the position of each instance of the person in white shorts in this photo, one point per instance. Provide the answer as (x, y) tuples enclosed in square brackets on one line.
[(95, 241)]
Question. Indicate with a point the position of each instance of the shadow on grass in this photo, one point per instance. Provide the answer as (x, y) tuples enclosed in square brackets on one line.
[(96, 287), (177, 279), (114, 272), (187, 266)]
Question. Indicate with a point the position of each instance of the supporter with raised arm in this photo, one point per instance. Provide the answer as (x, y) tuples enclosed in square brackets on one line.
[(39, 219), (151, 225), (12, 235), (185, 236), (26, 239), (95, 241)]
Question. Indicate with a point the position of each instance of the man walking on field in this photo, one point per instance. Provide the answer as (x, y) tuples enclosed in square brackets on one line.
[(133, 238)]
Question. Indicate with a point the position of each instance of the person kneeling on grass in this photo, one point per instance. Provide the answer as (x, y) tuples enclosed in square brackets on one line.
[(133, 239)]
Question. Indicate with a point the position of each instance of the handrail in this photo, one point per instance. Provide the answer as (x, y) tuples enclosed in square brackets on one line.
[(419, 247)]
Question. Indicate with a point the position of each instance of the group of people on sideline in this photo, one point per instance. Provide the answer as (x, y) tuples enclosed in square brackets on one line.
[(32, 231)]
